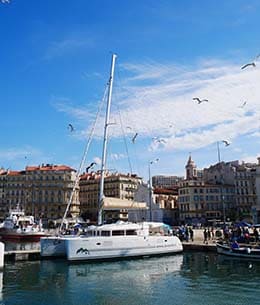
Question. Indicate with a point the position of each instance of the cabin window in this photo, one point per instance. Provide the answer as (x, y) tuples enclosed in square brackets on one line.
[(118, 232), (131, 232), (105, 233)]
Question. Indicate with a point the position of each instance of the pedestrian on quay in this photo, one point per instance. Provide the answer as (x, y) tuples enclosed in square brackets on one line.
[(191, 233), (205, 234), (209, 235), (212, 233), (256, 235), (187, 233)]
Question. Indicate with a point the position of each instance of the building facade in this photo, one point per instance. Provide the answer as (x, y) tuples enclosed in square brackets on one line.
[(115, 185), (42, 191), (207, 197), (246, 194), (166, 182), (202, 203)]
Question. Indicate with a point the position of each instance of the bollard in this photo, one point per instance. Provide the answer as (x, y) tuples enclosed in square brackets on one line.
[(2, 252)]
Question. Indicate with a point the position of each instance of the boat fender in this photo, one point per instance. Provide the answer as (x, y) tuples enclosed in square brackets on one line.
[(248, 250)]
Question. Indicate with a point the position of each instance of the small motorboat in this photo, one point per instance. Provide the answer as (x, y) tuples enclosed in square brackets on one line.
[(20, 227), (239, 250)]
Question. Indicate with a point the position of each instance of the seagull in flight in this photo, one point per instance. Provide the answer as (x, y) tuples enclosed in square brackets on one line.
[(253, 63), (154, 161), (71, 128), (134, 137), (243, 105), (199, 100), (90, 166), (226, 143), (159, 140)]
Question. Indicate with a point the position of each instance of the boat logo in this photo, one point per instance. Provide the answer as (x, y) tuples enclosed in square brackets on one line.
[(81, 250)]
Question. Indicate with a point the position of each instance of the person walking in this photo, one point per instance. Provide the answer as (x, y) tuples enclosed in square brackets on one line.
[(209, 234), (205, 234), (212, 233), (191, 233), (256, 235)]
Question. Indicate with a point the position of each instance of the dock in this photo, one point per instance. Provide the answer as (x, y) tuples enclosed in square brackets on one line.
[(22, 255), (194, 246), (34, 255)]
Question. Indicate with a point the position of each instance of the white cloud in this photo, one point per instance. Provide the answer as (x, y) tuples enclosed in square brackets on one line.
[(250, 159), (156, 100), (19, 157), (12, 154), (149, 106), (65, 105), (97, 160), (254, 134), (115, 156), (68, 45)]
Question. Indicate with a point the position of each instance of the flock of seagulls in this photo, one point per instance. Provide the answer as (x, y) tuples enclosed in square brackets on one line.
[(197, 99)]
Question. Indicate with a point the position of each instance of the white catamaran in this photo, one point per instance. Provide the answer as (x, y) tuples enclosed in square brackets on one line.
[(121, 239)]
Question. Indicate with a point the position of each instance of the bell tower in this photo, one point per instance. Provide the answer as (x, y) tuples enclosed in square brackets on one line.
[(191, 169)]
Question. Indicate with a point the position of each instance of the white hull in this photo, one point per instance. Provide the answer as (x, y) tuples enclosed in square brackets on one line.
[(111, 247)]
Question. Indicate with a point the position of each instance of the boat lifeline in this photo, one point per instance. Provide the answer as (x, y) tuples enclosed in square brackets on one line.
[(120, 240)]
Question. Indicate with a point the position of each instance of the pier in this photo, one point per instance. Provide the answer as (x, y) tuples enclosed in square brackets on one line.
[(22, 255)]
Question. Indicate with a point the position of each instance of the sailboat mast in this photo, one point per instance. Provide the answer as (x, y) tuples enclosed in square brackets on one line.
[(104, 153)]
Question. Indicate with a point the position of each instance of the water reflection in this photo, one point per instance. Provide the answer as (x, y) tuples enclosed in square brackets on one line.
[(191, 278)]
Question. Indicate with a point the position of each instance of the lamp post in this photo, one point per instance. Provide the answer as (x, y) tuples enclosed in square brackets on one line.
[(218, 151), (150, 187), (221, 186)]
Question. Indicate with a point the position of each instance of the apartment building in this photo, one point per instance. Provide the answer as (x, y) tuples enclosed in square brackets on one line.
[(115, 185), (208, 196), (166, 182), (42, 191), (245, 183), (200, 202)]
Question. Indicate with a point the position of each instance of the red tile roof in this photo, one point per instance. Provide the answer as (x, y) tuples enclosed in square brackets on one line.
[(49, 167), (13, 173)]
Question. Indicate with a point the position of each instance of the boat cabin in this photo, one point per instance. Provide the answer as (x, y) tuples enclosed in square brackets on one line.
[(128, 229)]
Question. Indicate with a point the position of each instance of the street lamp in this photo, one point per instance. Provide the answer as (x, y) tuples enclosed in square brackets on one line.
[(150, 186), (222, 182)]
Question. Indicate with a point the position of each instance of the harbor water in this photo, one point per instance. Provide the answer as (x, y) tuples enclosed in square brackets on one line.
[(189, 278)]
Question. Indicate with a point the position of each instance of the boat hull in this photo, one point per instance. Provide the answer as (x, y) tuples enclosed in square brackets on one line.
[(105, 248), (243, 252), (32, 237), (53, 246)]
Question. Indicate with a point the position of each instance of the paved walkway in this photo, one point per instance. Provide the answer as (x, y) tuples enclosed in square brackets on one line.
[(198, 238)]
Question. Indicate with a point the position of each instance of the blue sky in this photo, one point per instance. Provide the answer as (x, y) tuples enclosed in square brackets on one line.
[(54, 64)]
